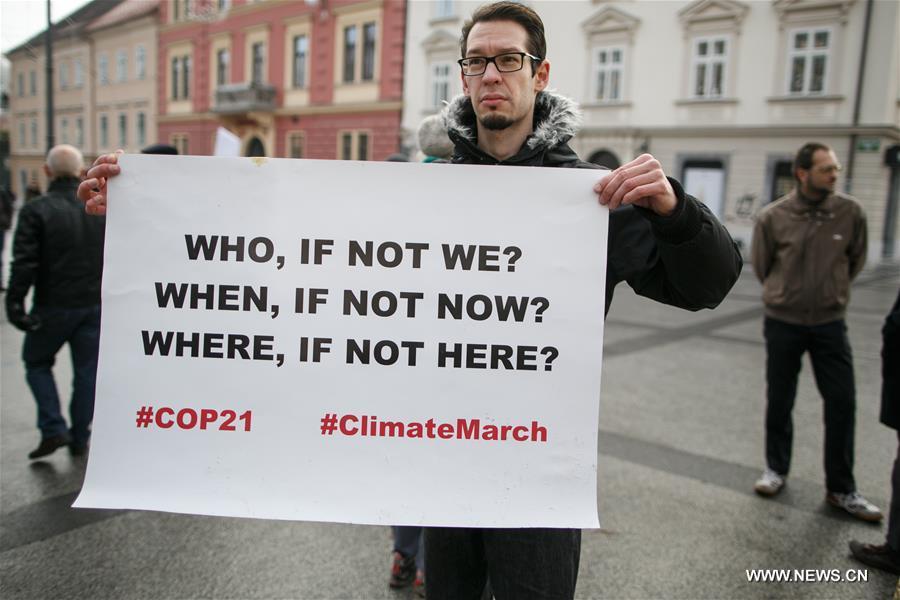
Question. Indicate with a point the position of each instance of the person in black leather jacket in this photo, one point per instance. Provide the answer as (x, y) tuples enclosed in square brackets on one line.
[(58, 251)]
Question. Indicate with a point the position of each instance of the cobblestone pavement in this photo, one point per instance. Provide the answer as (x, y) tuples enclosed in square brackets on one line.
[(681, 442)]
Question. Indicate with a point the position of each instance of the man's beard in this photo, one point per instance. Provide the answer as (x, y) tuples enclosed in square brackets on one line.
[(495, 122)]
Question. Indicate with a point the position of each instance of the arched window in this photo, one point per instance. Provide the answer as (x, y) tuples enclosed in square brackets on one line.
[(605, 158), (256, 148)]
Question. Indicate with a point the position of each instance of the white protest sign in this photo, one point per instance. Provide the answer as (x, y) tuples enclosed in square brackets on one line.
[(227, 143), (384, 343)]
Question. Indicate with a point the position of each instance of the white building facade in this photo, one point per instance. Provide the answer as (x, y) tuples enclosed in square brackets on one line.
[(722, 92)]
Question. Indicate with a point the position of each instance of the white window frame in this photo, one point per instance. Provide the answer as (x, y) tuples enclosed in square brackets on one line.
[(140, 62), (444, 9), (226, 72), (23, 139), (440, 80), (103, 126), (607, 69), (121, 66), (809, 54), (140, 125), (63, 75), (34, 135), (103, 69), (78, 75), (709, 62), (123, 130)]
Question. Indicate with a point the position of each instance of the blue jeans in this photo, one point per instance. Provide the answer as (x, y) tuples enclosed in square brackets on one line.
[(408, 542), (80, 327), (521, 563)]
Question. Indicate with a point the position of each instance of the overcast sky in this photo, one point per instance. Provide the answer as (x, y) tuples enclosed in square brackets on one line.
[(22, 19)]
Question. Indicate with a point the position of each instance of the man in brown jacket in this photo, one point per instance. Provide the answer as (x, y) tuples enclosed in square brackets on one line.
[(807, 248)]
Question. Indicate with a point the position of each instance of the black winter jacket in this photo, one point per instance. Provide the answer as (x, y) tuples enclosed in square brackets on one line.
[(686, 259), (890, 375), (58, 249)]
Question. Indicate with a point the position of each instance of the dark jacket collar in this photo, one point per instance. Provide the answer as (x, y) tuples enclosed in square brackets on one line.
[(556, 120), (63, 184)]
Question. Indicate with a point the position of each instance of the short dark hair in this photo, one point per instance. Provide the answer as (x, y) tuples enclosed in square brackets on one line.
[(804, 158), (509, 11)]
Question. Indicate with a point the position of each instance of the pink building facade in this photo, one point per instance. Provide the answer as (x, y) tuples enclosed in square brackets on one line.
[(305, 79)]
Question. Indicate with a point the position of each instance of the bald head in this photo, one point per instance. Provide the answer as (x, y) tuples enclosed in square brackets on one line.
[(64, 161)]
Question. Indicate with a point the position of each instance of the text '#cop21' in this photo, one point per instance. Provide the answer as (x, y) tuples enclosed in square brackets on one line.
[(364, 254)]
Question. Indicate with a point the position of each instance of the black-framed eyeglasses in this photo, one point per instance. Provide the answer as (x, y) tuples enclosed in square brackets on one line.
[(508, 62)]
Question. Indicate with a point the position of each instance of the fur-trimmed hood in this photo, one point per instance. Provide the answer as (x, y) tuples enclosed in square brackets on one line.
[(556, 120)]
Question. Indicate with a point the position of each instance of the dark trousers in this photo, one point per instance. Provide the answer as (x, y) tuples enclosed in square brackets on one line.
[(80, 327), (893, 532), (829, 351), (521, 563)]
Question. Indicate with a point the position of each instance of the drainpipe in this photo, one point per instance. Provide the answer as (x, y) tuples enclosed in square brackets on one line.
[(48, 67), (857, 103)]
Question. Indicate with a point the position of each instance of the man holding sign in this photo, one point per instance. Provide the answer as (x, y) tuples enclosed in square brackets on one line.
[(665, 244)]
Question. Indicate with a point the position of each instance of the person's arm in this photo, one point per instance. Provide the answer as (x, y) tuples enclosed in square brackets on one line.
[(686, 259), (664, 243), (24, 268), (857, 250), (761, 249)]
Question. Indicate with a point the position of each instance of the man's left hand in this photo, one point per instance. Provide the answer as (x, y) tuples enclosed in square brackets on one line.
[(640, 182)]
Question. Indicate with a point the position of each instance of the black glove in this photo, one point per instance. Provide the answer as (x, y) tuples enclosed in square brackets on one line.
[(15, 311)]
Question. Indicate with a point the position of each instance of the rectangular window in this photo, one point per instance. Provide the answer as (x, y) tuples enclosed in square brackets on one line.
[(141, 130), (222, 66), (79, 132), (104, 132), (102, 69), (295, 145), (63, 75), (64, 130), (609, 72), (140, 62), (440, 83), (222, 5), (176, 76), (443, 9), (301, 49), (347, 146), (22, 139), (808, 57), (709, 62), (79, 73), (185, 76), (354, 145), (123, 130), (362, 146), (32, 83), (34, 133), (180, 141), (368, 63), (259, 62), (121, 65), (21, 85), (349, 54)]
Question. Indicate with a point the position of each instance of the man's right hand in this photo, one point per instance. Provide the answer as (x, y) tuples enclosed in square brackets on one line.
[(92, 191), (15, 311)]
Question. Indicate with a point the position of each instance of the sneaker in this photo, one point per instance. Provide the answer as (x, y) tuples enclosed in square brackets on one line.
[(880, 557), (419, 584), (403, 570), (769, 483), (49, 445), (856, 505)]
